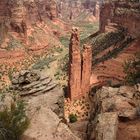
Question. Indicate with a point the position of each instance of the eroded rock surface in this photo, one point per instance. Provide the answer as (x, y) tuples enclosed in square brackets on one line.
[(113, 109), (31, 83), (120, 100), (46, 114), (79, 67), (107, 126)]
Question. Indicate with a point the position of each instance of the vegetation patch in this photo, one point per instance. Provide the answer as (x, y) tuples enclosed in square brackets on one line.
[(13, 121), (72, 118), (41, 63), (132, 70), (64, 41)]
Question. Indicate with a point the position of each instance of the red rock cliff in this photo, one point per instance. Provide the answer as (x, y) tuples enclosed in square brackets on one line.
[(124, 14), (19, 13)]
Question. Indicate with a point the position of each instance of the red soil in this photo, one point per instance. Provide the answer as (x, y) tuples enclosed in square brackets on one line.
[(112, 69), (129, 130)]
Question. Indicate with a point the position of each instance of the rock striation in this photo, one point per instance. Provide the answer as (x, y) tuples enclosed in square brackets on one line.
[(122, 13), (18, 14), (31, 83), (86, 68), (74, 10), (79, 67)]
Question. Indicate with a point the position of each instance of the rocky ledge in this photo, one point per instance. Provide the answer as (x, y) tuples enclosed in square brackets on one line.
[(29, 82)]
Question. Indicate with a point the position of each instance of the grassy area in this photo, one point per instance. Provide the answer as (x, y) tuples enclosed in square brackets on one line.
[(87, 28), (14, 43), (65, 41), (43, 62)]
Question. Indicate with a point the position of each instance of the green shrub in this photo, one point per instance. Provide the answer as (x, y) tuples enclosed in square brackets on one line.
[(13, 121), (72, 118), (132, 70)]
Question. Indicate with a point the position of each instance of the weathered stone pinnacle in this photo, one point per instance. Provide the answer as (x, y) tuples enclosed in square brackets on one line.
[(79, 67)]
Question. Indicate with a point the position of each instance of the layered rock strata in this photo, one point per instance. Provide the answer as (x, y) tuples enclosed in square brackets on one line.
[(31, 83), (20, 14), (123, 13)]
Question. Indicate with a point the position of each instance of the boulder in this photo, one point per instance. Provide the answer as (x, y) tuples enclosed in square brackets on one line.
[(25, 77), (118, 100), (45, 125), (107, 126)]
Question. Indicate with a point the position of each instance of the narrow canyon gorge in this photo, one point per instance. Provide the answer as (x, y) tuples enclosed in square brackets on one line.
[(69, 70)]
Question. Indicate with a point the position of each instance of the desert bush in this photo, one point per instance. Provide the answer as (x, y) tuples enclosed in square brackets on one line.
[(13, 121), (132, 70), (72, 118)]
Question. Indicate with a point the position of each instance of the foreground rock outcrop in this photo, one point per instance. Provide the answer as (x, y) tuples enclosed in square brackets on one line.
[(107, 126), (45, 108), (112, 108), (46, 113)]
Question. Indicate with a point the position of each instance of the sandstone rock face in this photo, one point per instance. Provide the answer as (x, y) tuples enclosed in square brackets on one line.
[(79, 129), (86, 68), (79, 68), (72, 10), (18, 16), (45, 125), (51, 9), (124, 14), (113, 110), (118, 100), (20, 13), (107, 126), (74, 84)]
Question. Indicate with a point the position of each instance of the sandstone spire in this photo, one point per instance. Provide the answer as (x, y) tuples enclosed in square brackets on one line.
[(79, 67), (86, 68), (74, 83)]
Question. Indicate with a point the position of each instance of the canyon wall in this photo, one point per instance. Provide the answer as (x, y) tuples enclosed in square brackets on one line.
[(123, 14), (115, 16), (74, 10), (79, 67), (20, 13)]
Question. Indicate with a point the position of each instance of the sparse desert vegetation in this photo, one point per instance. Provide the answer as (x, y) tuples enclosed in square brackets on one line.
[(69, 70)]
